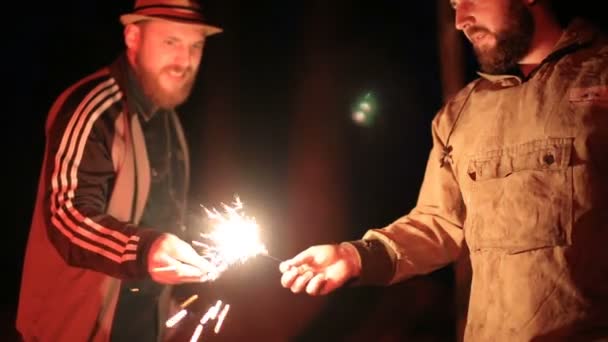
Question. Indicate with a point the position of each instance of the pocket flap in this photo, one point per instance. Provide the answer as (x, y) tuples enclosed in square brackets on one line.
[(545, 154)]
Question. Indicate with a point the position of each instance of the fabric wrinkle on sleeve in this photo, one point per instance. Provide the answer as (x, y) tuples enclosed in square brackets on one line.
[(429, 237)]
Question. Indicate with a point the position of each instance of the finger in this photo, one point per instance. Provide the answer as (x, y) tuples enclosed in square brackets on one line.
[(165, 259), (188, 271), (288, 277), (316, 285), (183, 251), (206, 266), (191, 280), (303, 269), (301, 281), (187, 255), (303, 258), (167, 268), (163, 263), (300, 269), (209, 277), (189, 274), (287, 265)]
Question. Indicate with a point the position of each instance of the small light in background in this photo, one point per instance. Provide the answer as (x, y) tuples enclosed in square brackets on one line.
[(364, 111), (359, 117)]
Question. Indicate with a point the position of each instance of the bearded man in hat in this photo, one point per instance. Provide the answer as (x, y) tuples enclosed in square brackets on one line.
[(106, 234)]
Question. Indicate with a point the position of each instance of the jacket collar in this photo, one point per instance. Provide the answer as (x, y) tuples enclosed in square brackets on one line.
[(136, 99), (577, 34)]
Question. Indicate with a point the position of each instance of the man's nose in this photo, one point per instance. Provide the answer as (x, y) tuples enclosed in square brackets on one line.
[(182, 57), (463, 16)]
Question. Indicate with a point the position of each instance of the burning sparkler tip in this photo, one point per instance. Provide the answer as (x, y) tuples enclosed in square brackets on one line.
[(234, 237)]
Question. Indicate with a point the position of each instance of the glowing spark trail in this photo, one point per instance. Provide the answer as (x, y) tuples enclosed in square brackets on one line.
[(211, 314), (220, 319), (171, 322), (216, 312)]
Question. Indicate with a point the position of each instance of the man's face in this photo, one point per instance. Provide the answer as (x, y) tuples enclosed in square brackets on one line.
[(167, 58), (499, 30)]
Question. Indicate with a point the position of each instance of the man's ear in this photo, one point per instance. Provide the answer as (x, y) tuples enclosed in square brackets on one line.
[(132, 35)]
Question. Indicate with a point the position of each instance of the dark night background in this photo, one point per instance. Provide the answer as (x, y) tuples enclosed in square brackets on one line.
[(269, 120)]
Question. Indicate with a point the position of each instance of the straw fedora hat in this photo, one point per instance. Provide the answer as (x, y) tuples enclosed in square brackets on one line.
[(185, 11)]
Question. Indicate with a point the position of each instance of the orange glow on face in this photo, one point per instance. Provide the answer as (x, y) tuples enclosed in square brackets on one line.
[(167, 60)]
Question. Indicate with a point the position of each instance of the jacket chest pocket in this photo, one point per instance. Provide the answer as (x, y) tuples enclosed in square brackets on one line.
[(521, 197)]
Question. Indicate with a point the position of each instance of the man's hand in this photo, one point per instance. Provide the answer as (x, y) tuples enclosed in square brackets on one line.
[(321, 269), (173, 261)]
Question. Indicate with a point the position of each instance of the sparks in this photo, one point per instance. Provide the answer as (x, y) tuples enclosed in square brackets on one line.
[(173, 320), (220, 320), (211, 314), (234, 237), (216, 312)]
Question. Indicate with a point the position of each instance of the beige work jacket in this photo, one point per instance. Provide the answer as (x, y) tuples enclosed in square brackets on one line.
[(518, 171)]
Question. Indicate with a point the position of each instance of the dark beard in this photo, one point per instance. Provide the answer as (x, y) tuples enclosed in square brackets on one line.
[(512, 43), (159, 96)]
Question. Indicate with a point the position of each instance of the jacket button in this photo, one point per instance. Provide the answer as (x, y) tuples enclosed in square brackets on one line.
[(549, 159)]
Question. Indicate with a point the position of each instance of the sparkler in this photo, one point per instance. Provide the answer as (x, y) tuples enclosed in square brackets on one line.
[(234, 238)]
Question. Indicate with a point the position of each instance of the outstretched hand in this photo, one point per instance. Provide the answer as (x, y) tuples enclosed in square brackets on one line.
[(173, 261), (320, 269)]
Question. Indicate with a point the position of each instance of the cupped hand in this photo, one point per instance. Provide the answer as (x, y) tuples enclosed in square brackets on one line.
[(320, 269), (171, 260)]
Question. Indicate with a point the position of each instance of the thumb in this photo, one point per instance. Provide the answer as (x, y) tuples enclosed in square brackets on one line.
[(303, 258), (185, 253)]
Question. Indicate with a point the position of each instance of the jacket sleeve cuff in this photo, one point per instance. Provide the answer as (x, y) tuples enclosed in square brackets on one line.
[(146, 239), (377, 263)]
